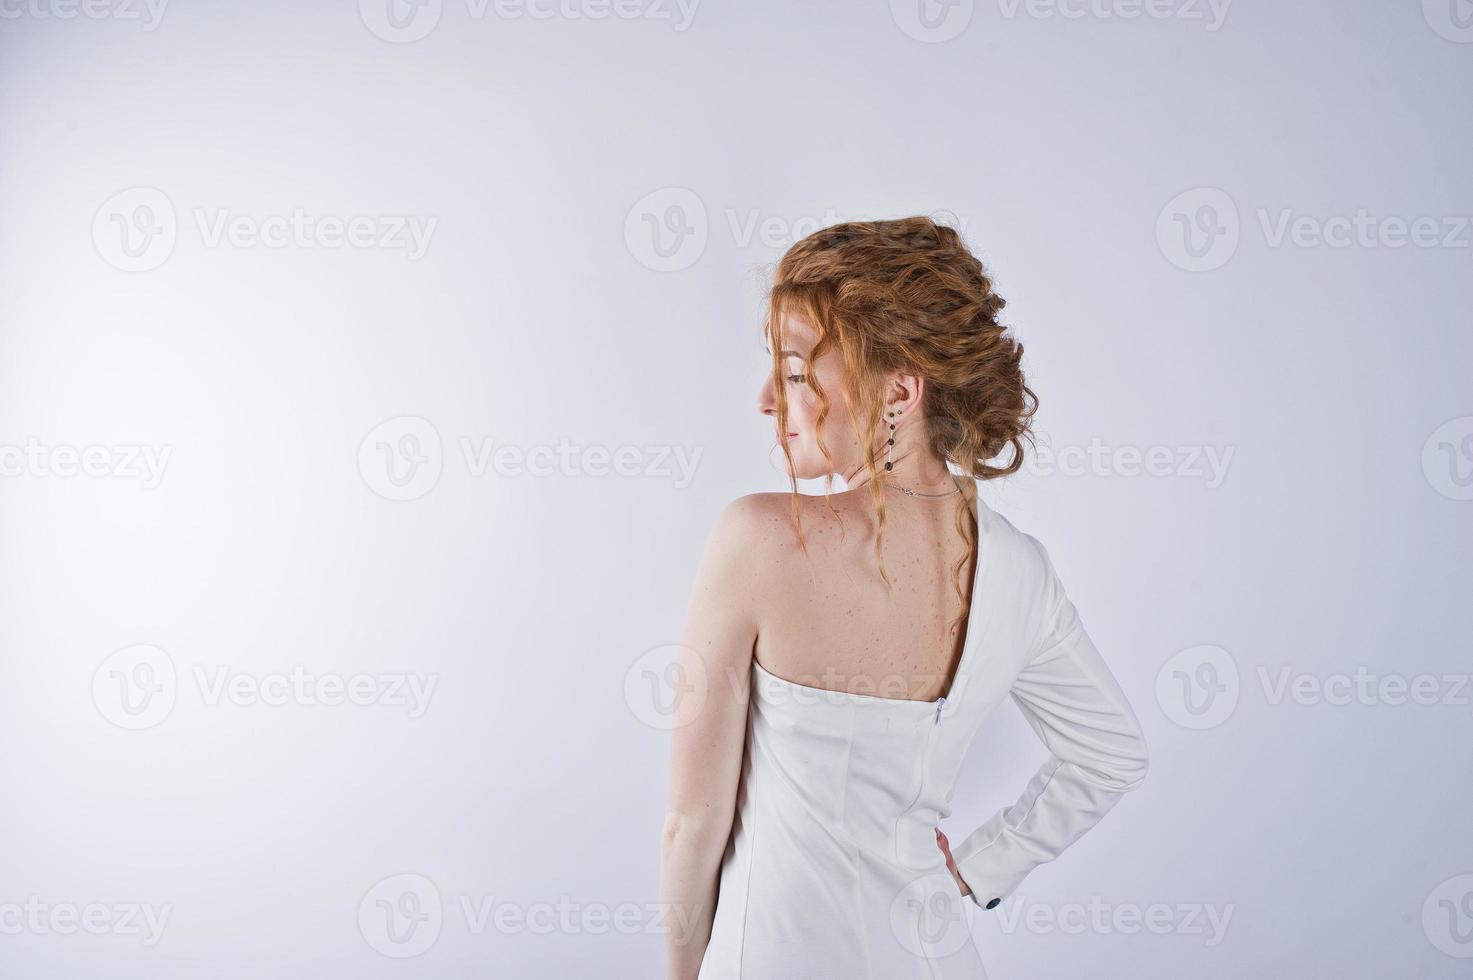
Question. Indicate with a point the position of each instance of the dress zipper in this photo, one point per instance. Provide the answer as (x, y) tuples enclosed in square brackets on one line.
[(940, 703)]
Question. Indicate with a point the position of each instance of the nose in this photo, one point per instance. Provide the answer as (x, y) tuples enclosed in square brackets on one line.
[(766, 402)]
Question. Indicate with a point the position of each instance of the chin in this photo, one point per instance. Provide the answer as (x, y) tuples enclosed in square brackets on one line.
[(808, 469)]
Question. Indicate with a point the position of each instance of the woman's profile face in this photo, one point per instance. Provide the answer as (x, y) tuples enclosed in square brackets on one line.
[(798, 374)]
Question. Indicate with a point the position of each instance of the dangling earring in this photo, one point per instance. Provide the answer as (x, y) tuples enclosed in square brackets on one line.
[(891, 443)]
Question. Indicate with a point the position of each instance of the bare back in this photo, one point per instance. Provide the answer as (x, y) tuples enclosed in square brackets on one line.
[(826, 619)]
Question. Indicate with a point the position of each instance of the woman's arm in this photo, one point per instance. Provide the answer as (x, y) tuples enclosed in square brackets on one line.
[(1097, 752), (710, 726)]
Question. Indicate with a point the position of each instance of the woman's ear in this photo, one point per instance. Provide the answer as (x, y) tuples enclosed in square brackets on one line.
[(903, 391)]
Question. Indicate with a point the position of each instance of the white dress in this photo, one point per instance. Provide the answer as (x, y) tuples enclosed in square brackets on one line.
[(832, 869)]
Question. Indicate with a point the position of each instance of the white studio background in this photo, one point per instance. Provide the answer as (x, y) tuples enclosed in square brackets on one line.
[(370, 376)]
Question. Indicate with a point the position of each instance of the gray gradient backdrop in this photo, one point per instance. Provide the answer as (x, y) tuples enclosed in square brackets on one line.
[(370, 376)]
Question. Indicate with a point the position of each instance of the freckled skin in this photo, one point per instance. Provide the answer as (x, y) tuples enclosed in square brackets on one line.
[(828, 617)]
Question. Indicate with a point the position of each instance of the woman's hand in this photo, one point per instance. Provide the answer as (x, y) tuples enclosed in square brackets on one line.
[(945, 846)]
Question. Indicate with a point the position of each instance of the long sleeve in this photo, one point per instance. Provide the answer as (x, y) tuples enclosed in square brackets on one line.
[(1097, 752)]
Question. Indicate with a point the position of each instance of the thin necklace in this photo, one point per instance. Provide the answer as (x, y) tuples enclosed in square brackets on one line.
[(916, 493)]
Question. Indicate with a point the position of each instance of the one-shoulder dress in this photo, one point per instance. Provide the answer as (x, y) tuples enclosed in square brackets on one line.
[(832, 869)]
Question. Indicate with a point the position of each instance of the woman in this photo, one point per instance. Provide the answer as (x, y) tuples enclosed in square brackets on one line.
[(841, 652)]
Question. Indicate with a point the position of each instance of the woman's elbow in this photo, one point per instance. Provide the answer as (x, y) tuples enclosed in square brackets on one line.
[(1133, 763), (1135, 774), (1123, 768), (691, 831)]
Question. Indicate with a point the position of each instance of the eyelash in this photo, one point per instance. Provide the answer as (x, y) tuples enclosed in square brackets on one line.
[(798, 378)]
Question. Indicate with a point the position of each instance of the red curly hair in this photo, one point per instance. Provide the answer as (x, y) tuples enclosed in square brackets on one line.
[(907, 295)]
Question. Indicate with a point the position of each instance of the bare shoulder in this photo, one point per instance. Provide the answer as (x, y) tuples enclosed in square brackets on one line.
[(753, 524), (763, 525), (738, 562)]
